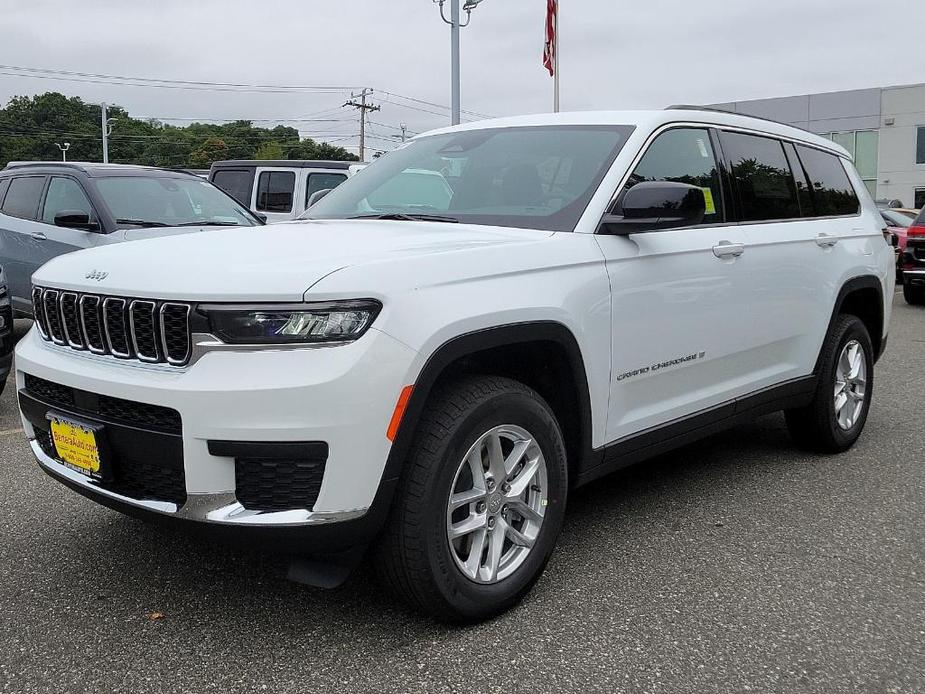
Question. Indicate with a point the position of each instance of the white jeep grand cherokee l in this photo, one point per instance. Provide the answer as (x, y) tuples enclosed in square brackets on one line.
[(429, 375)]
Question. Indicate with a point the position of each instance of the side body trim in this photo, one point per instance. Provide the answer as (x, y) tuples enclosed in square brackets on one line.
[(680, 432)]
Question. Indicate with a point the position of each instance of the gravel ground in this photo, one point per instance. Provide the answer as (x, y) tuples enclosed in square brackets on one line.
[(738, 564)]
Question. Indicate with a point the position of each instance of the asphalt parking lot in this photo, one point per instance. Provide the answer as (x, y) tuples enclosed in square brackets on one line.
[(738, 564)]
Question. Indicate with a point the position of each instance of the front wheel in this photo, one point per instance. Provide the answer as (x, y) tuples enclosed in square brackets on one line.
[(835, 418), (480, 503)]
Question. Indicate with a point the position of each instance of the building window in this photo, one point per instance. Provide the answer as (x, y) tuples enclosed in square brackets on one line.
[(864, 146), (920, 145), (919, 198)]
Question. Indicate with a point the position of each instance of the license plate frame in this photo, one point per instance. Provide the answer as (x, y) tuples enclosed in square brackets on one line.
[(79, 445)]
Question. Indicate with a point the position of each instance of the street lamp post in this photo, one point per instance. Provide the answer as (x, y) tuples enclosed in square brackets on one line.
[(64, 148), (455, 26)]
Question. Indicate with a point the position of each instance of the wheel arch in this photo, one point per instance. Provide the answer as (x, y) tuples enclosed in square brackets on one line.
[(492, 341), (861, 296)]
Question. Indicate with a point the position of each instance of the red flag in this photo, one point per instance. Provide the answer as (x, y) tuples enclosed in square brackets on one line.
[(549, 49)]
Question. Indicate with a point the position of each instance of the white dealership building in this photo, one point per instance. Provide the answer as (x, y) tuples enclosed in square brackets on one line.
[(883, 128)]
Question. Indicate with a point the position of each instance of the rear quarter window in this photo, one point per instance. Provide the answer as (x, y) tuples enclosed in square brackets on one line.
[(830, 188), (22, 196)]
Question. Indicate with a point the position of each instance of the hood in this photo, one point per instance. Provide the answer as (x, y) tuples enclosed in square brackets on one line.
[(140, 234), (278, 262)]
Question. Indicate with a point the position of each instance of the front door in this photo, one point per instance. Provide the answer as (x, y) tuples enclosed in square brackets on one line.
[(679, 299)]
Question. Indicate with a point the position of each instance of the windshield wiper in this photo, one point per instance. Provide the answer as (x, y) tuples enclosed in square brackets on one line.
[(204, 223), (141, 223), (403, 217)]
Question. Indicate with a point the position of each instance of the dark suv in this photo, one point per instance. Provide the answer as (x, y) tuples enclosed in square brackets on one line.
[(50, 208), (913, 262)]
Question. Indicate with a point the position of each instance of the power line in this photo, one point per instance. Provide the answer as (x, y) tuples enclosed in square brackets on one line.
[(72, 75), (156, 82)]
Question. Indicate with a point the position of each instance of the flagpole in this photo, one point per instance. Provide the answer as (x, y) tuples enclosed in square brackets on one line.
[(556, 61)]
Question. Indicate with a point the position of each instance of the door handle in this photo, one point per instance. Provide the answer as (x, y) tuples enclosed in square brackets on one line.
[(725, 249), (826, 240), (38, 235)]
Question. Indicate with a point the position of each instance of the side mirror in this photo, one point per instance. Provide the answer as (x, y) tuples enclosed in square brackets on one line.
[(260, 216), (75, 219), (655, 205), (317, 195)]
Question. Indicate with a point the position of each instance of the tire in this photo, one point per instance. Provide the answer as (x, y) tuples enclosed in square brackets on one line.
[(415, 556), (914, 295), (821, 426)]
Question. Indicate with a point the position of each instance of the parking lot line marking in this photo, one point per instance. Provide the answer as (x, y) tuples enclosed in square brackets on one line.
[(11, 431)]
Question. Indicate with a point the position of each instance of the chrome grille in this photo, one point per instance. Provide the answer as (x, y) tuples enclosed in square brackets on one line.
[(52, 316), (116, 327), (70, 319), (144, 329), (38, 311)]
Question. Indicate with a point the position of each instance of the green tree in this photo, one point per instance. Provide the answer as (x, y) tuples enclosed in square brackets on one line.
[(269, 150), (31, 125)]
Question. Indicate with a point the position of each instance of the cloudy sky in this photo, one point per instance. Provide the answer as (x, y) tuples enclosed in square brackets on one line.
[(615, 54)]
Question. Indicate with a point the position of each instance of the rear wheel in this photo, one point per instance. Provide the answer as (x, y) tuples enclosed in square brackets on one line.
[(480, 503), (835, 418), (914, 295)]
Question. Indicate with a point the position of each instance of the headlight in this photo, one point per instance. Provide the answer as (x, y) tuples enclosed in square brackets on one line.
[(275, 324)]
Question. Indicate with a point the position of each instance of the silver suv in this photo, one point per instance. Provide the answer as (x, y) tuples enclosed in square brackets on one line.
[(50, 208)]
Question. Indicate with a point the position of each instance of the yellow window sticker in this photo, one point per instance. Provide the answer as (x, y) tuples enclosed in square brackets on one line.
[(708, 199)]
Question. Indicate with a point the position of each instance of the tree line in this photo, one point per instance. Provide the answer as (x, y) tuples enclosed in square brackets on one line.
[(30, 127)]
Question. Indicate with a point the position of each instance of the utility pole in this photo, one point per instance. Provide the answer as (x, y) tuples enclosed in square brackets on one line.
[(105, 126), (363, 107), (64, 149), (455, 26)]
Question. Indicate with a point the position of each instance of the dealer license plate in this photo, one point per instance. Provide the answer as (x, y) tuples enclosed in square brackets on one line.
[(76, 445)]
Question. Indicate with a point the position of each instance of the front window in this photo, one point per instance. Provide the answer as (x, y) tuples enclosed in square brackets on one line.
[(162, 201), (528, 177)]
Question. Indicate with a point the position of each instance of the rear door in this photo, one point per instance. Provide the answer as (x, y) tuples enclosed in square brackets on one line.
[(20, 236), (275, 193), (792, 251), (679, 299)]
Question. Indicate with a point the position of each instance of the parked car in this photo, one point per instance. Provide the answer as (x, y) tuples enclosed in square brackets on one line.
[(913, 262), (6, 331), (279, 189), (432, 378), (50, 208), (898, 222)]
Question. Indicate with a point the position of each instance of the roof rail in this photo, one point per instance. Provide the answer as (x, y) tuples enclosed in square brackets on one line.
[(712, 109), (20, 164)]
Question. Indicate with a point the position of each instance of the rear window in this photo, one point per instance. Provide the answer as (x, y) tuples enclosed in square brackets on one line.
[(761, 176), (830, 189), (237, 183), (274, 191), (920, 220), (22, 198)]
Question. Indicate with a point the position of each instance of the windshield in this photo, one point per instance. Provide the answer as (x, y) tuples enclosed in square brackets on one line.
[(140, 201), (527, 177)]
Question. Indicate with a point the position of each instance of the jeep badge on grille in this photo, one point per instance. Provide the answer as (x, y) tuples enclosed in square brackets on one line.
[(97, 275)]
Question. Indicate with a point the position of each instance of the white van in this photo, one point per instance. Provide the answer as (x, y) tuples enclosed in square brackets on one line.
[(278, 189)]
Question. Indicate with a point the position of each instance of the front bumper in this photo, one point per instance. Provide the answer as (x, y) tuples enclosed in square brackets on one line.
[(342, 396)]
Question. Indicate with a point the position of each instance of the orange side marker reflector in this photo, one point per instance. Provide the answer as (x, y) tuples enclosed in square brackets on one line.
[(399, 412)]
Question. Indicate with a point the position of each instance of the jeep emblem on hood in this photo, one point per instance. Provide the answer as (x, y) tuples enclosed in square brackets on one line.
[(97, 275)]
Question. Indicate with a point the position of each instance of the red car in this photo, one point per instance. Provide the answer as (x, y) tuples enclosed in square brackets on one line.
[(898, 220), (913, 262)]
